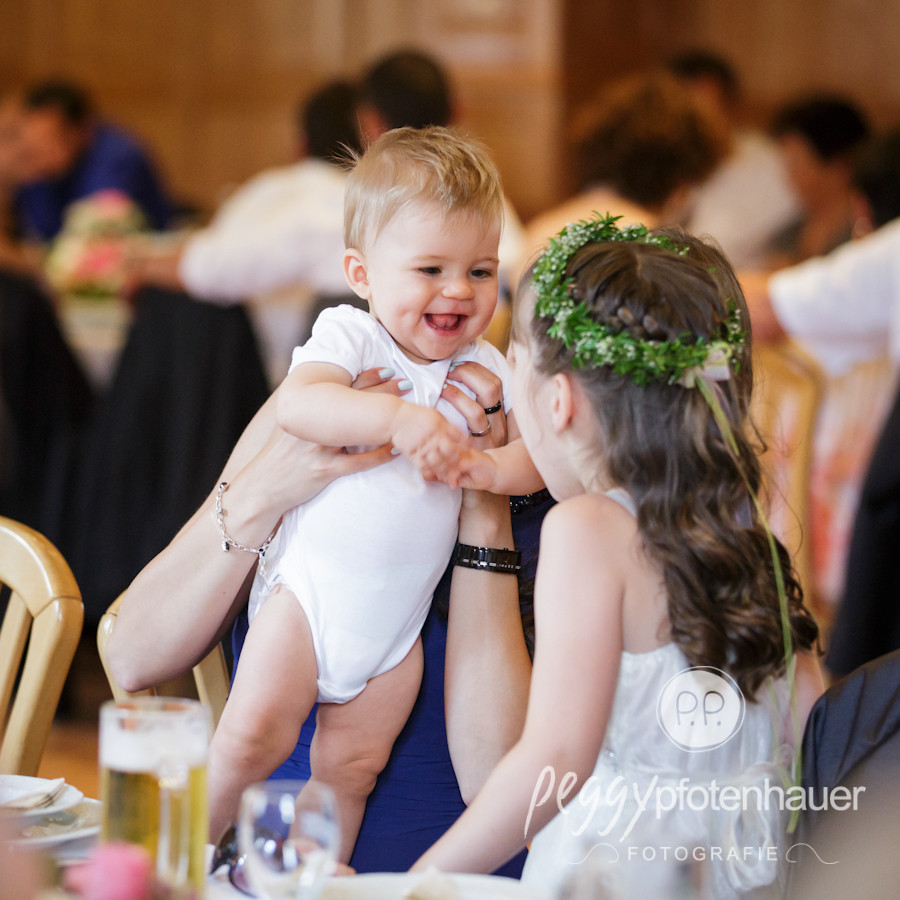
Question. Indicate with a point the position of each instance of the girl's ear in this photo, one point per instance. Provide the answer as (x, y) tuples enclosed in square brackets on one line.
[(562, 402), (357, 274)]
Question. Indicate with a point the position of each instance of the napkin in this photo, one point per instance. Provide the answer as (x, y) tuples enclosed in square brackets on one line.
[(30, 798)]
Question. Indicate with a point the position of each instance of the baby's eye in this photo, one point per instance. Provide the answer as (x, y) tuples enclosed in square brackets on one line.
[(482, 273), (430, 270)]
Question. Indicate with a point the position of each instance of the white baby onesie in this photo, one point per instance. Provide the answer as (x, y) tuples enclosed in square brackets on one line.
[(364, 556)]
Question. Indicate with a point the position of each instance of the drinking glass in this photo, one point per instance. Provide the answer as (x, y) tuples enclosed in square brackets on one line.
[(153, 784), (288, 831)]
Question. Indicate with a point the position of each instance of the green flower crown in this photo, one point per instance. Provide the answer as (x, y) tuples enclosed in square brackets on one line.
[(642, 360)]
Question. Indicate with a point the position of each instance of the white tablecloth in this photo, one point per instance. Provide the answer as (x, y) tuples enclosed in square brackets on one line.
[(394, 887)]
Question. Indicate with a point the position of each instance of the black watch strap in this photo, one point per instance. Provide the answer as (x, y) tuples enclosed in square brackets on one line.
[(489, 558)]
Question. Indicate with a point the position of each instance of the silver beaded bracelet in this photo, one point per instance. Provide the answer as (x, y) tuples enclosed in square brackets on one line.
[(227, 540)]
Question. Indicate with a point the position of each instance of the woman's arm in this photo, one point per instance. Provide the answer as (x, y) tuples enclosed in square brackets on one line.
[(487, 663), (579, 619), (487, 667), (182, 602)]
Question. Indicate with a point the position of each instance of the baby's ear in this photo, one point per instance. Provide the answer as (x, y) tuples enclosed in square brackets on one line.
[(357, 273)]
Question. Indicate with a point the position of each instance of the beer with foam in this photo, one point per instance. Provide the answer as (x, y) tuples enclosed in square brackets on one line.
[(153, 783)]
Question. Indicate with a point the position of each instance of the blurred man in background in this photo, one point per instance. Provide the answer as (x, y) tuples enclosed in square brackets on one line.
[(68, 153)]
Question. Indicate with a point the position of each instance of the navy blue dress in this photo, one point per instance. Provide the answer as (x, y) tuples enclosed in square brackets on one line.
[(416, 798)]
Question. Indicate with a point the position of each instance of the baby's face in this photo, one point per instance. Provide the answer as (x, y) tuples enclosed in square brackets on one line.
[(431, 280)]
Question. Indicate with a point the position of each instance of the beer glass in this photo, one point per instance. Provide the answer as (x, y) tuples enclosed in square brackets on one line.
[(153, 783), (289, 834)]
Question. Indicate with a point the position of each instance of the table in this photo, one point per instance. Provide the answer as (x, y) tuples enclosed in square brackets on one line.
[(395, 886)]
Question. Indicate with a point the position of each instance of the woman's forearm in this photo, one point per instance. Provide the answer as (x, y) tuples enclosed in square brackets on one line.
[(177, 608), (487, 665), (493, 829)]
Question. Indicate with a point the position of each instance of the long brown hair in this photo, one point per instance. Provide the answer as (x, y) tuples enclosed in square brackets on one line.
[(663, 445)]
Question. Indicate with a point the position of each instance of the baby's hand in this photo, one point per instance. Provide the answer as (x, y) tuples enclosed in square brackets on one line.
[(427, 439), (473, 469)]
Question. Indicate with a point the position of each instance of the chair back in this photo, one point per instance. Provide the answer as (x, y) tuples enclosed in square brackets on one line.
[(45, 614), (787, 393), (210, 675)]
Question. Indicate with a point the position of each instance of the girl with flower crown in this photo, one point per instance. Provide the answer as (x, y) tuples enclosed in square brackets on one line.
[(632, 377)]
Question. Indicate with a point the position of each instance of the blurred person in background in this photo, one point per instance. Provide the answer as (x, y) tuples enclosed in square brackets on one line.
[(408, 88), (819, 138), (875, 196), (15, 254), (748, 198), (278, 241), (856, 391), (866, 624), (845, 309), (68, 153), (644, 144)]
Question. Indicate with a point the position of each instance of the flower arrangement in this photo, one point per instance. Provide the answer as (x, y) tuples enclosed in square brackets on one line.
[(88, 257)]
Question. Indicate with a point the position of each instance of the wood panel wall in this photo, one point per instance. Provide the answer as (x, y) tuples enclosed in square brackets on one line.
[(212, 85)]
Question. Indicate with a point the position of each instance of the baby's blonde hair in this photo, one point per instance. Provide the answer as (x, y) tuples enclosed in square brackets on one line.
[(419, 165)]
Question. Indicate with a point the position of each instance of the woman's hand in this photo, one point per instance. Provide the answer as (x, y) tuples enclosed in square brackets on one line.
[(488, 390)]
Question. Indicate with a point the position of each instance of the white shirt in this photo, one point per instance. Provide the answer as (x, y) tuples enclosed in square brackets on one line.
[(285, 226), (277, 243), (745, 202), (845, 307)]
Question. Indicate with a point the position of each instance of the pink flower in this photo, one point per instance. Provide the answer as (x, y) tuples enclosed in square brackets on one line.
[(115, 871)]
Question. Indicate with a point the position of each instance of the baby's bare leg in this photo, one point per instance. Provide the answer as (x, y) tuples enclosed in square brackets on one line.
[(353, 740), (273, 691)]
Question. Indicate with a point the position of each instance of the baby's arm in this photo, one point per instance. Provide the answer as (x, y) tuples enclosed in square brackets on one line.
[(317, 403), (504, 470)]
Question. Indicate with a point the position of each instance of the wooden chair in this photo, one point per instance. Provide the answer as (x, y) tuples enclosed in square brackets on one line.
[(45, 614), (787, 393), (210, 675)]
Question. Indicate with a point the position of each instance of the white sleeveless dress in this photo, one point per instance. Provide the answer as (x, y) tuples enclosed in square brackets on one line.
[(621, 823)]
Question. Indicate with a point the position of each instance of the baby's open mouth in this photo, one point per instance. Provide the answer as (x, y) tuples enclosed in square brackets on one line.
[(444, 321)]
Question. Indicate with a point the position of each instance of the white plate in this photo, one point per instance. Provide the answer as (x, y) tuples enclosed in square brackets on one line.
[(467, 887), (78, 823), (15, 785)]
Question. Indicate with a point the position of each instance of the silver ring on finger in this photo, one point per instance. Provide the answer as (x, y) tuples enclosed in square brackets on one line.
[(481, 433), (490, 410)]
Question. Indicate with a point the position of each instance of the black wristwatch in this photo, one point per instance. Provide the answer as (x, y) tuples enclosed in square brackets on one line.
[(489, 558)]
